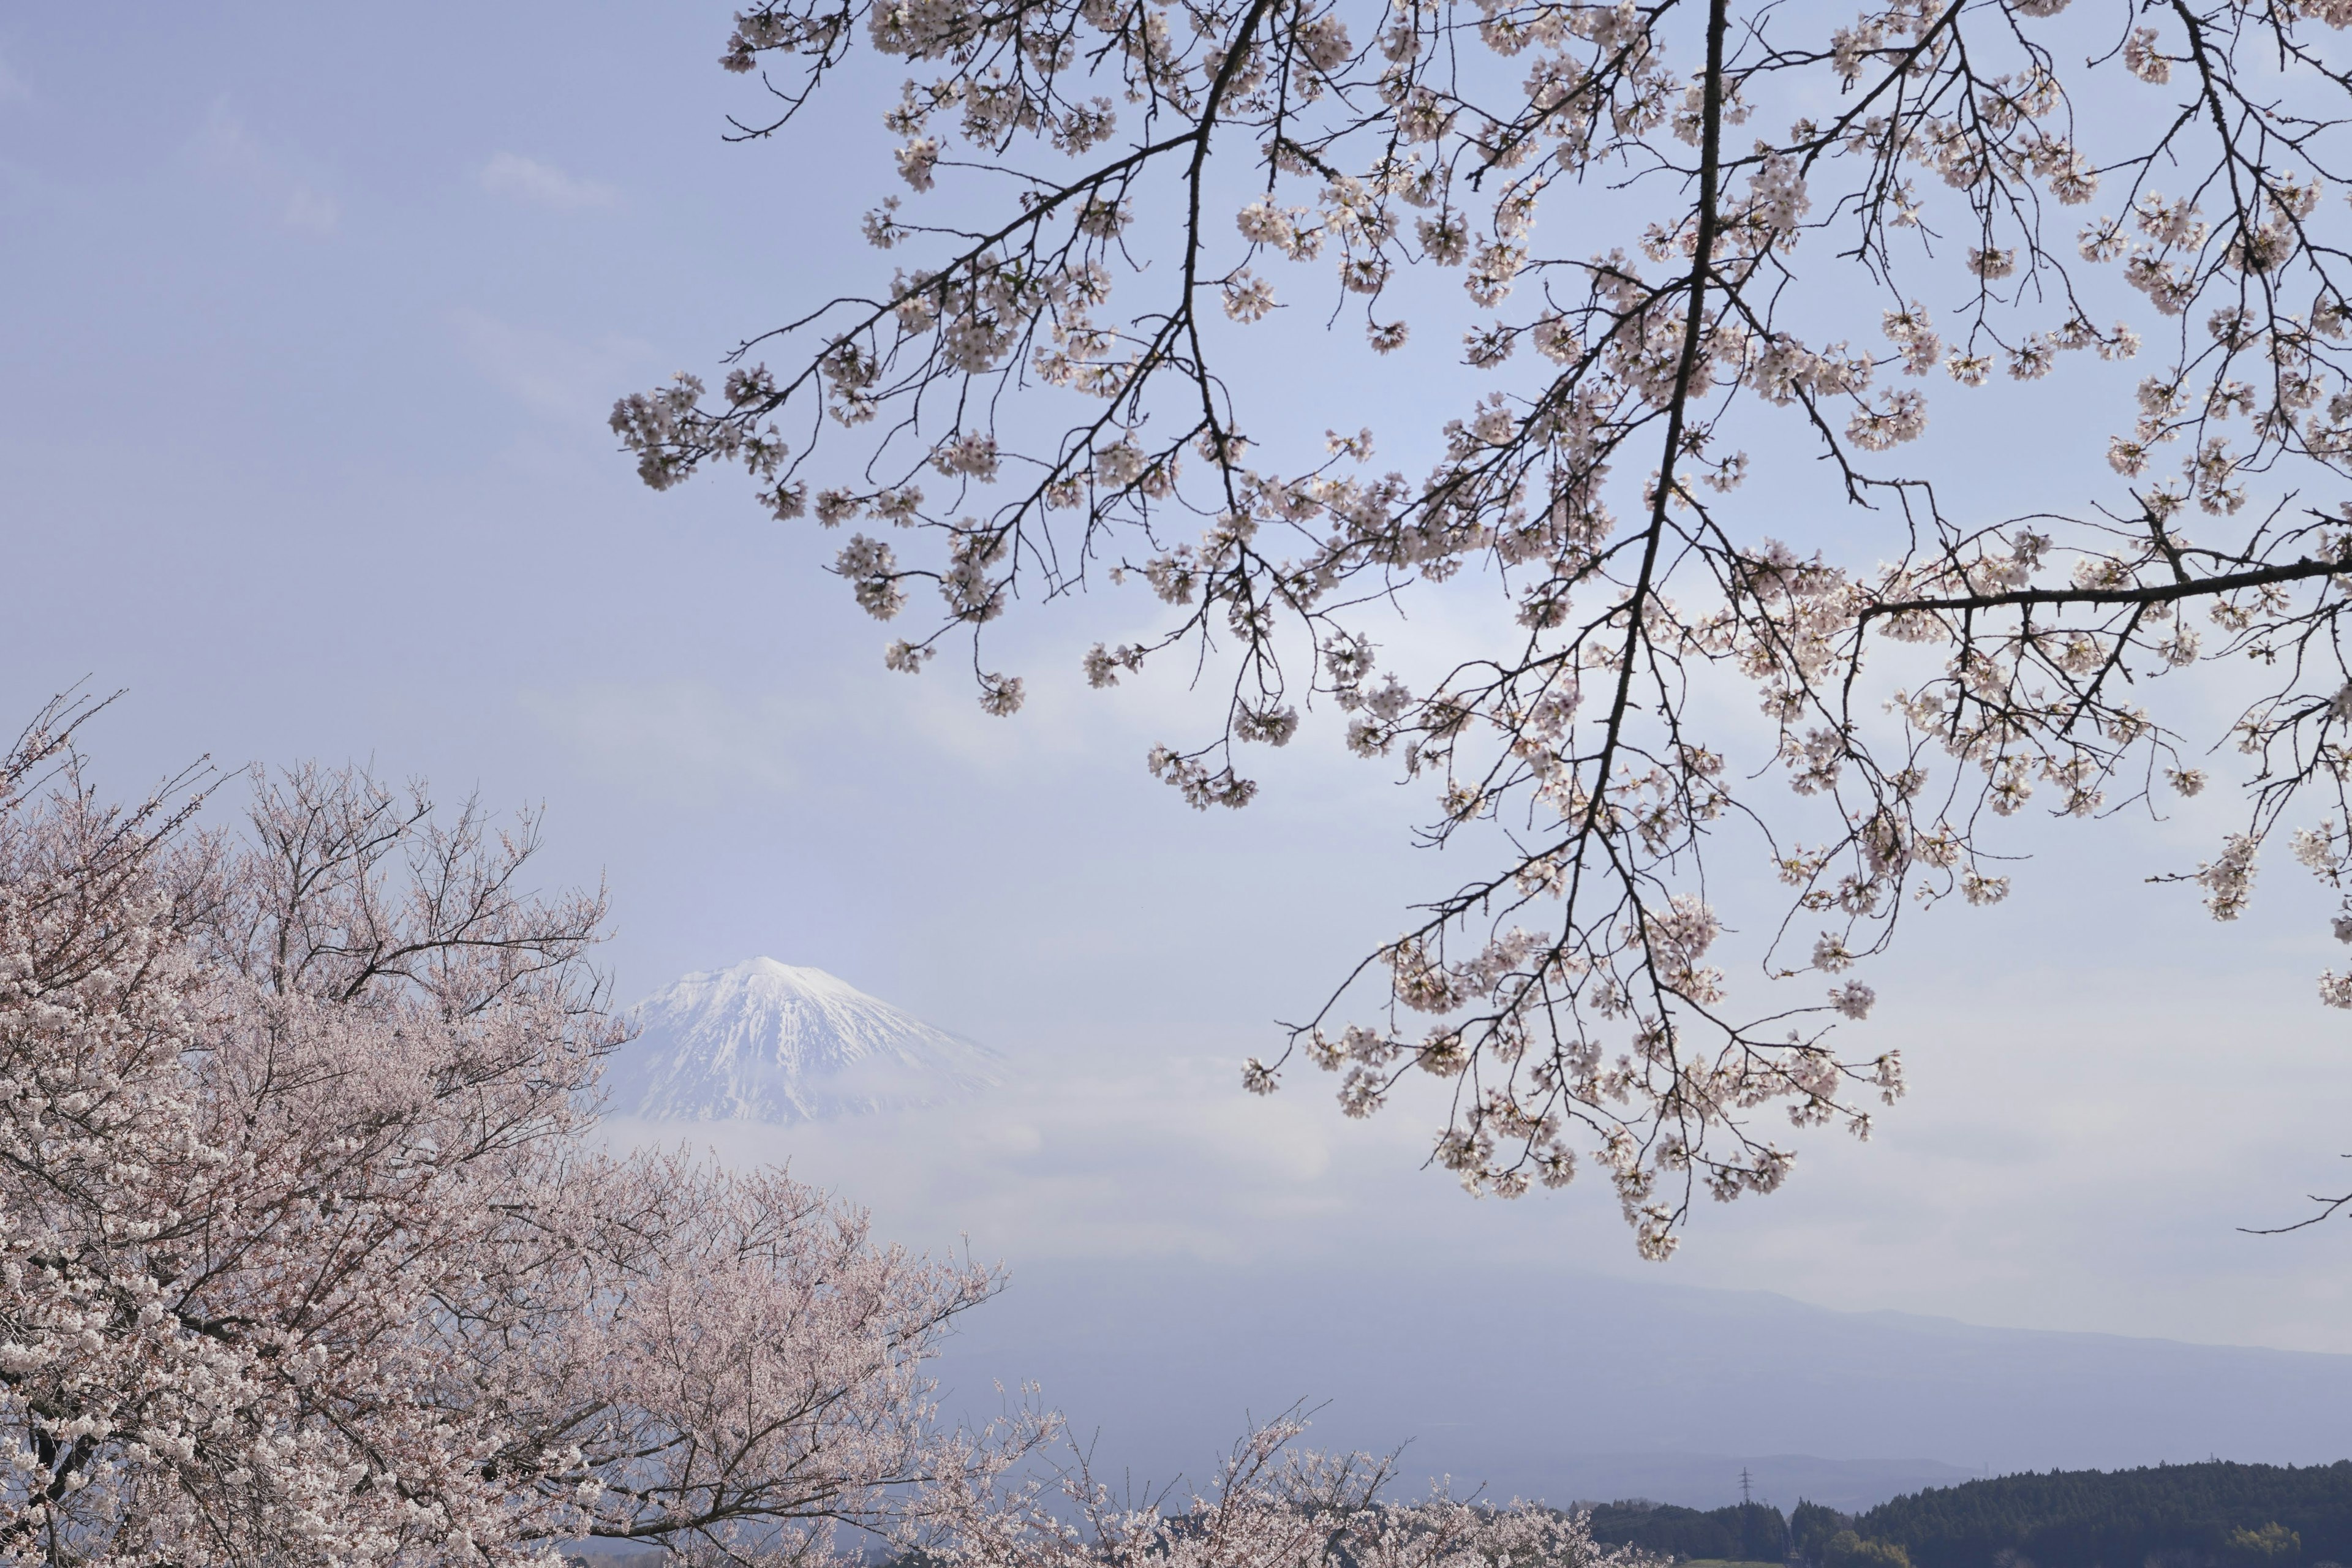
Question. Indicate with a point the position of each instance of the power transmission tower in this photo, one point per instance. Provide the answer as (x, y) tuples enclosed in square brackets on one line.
[(1745, 1499)]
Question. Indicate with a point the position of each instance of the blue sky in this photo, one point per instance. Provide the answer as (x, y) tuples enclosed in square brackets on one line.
[(312, 325)]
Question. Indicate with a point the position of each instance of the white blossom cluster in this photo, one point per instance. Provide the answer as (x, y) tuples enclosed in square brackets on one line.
[(1825, 221), (1273, 1506)]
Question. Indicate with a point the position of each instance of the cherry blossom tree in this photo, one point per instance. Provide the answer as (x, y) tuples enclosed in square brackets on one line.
[(1270, 1505), (1699, 245), (304, 1259)]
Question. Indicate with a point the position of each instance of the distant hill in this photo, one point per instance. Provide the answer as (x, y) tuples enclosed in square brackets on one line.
[(772, 1042), (1744, 1533), (1539, 1381), (2214, 1515), (1712, 1481)]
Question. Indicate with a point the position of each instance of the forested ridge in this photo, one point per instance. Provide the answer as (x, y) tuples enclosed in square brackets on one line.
[(2214, 1512), (2211, 1515), (1752, 1533)]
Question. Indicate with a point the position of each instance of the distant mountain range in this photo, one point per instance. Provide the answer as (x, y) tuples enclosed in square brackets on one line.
[(1539, 1381), (774, 1042)]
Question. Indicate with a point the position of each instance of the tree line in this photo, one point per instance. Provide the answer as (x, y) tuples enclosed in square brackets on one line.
[(2176, 1515), (1748, 1533), (2211, 1515)]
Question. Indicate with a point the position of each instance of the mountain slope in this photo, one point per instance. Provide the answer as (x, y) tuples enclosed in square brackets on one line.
[(1537, 1380), (765, 1041)]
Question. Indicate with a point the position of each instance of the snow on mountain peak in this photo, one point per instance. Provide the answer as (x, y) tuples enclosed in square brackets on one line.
[(765, 1041)]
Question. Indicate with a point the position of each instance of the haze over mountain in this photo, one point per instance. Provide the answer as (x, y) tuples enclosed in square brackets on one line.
[(1165, 1289), (1542, 1382), (772, 1042)]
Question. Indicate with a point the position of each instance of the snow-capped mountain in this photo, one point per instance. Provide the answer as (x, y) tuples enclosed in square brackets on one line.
[(771, 1042)]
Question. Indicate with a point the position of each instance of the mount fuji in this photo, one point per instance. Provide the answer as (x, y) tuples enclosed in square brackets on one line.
[(765, 1041)]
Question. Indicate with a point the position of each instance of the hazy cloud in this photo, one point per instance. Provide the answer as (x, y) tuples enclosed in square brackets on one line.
[(542, 184), (554, 374), (1079, 1158), (681, 740), (233, 155), (308, 210), (675, 739)]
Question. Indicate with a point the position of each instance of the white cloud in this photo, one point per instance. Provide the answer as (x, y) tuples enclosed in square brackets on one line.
[(235, 155), (311, 212), (1079, 1157), (542, 184), (2081, 1146), (574, 381)]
